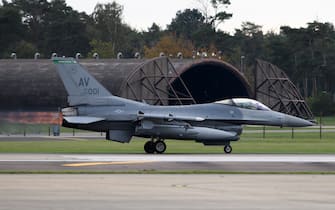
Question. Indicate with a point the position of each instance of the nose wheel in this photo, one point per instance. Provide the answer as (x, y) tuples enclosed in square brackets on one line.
[(152, 146), (227, 149)]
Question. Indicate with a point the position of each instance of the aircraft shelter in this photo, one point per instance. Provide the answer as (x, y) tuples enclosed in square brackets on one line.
[(34, 84)]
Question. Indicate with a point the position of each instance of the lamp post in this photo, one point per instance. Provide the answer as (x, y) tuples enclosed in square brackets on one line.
[(242, 64)]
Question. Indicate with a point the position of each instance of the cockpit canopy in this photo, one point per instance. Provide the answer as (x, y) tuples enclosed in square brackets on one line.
[(245, 103)]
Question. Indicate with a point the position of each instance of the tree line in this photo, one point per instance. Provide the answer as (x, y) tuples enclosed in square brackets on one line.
[(307, 54)]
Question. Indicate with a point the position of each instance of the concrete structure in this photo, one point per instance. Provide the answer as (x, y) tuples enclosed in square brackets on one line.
[(34, 85)]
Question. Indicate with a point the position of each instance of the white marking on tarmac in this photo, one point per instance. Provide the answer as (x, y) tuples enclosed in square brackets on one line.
[(168, 158), (104, 163)]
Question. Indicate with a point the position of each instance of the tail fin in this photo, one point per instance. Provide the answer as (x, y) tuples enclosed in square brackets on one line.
[(79, 84)]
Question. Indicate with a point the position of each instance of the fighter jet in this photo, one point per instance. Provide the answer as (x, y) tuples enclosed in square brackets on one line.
[(92, 107)]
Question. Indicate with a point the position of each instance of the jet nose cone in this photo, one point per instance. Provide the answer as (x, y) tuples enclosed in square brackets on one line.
[(291, 121)]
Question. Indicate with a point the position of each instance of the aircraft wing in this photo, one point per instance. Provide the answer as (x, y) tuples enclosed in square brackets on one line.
[(83, 120), (169, 117)]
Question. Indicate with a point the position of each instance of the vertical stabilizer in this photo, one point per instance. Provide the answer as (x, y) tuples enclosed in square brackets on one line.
[(77, 81), (81, 87)]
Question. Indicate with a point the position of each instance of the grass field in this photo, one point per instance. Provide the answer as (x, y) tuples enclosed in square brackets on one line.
[(21, 129), (327, 120), (302, 143), (17, 128)]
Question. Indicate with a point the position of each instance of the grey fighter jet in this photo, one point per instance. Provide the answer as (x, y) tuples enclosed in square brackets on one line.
[(92, 107)]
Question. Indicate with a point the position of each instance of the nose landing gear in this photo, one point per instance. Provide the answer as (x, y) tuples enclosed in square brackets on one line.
[(152, 146)]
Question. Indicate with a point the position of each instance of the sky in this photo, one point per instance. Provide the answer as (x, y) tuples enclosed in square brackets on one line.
[(271, 14)]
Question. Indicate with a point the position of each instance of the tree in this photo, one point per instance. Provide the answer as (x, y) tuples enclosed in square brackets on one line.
[(204, 37), (277, 51), (248, 42), (152, 36), (322, 104), (64, 31), (229, 47), (33, 15), (312, 52), (191, 25), (132, 42), (214, 11), (25, 49), (107, 19), (51, 27), (104, 49), (170, 45), (253, 40), (321, 47), (11, 29), (187, 23), (250, 29)]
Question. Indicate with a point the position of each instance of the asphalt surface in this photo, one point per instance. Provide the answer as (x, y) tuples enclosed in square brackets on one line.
[(208, 162), (162, 192), (165, 162)]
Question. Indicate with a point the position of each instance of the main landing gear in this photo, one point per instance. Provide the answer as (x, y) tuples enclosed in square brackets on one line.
[(152, 146), (227, 149), (158, 146)]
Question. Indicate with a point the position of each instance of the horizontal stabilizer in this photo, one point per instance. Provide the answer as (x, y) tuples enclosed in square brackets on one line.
[(83, 120), (97, 101), (169, 117)]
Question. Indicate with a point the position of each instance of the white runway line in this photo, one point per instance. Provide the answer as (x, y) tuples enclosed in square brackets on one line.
[(209, 158), (168, 158)]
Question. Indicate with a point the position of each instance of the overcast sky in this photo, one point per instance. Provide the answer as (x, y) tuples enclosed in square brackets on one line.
[(271, 14)]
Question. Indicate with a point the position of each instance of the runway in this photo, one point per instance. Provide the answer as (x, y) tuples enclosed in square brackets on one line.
[(165, 191), (162, 192), (165, 162)]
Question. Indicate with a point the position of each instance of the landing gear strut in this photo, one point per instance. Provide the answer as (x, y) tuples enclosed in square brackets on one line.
[(152, 146), (227, 149)]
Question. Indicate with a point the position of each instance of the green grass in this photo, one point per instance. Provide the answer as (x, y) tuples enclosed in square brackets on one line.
[(20, 129), (327, 120), (302, 143)]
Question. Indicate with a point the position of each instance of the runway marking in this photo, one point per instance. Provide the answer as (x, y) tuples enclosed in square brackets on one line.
[(105, 163), (205, 158), (185, 158)]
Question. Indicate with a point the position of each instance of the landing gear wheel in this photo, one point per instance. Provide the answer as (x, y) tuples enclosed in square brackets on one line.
[(228, 149), (149, 147), (160, 147)]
